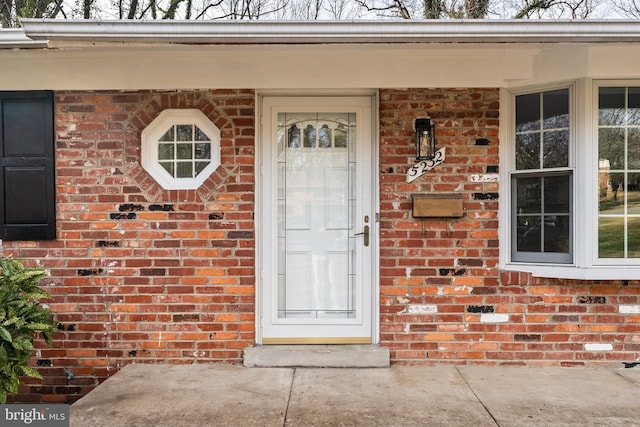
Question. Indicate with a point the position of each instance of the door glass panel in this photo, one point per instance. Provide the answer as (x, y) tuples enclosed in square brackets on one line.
[(340, 136), (324, 136), (316, 205), (293, 137)]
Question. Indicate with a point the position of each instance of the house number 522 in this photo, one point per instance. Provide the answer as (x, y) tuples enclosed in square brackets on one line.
[(425, 166)]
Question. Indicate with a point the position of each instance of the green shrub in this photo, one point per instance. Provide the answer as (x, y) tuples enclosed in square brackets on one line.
[(21, 317)]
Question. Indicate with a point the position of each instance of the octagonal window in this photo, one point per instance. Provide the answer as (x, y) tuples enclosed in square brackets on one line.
[(180, 149)]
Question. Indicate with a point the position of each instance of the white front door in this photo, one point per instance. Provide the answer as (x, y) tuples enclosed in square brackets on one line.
[(317, 220)]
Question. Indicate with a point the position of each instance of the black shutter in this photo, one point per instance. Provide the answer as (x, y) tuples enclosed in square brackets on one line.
[(27, 178)]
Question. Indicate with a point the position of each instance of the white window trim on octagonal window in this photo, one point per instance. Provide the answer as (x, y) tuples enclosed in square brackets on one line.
[(151, 139)]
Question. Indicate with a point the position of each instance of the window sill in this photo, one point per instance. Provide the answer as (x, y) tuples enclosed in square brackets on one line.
[(581, 273)]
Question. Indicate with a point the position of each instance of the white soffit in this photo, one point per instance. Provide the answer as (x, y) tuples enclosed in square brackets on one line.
[(334, 32), (269, 67)]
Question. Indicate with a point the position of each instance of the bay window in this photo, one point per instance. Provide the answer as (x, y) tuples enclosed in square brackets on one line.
[(570, 165)]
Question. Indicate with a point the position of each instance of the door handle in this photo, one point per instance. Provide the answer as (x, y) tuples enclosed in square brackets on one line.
[(365, 233)]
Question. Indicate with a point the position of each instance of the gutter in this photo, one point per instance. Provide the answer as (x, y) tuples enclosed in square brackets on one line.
[(333, 32), (17, 39)]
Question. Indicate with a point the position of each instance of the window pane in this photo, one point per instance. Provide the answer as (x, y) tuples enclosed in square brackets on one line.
[(203, 151), (612, 201), (553, 113), (528, 151), (185, 132), (603, 182), (165, 152), (634, 237), (200, 166), (633, 148), (184, 170), (611, 237), (529, 234), (611, 105), (556, 149), (184, 151), (556, 109), (199, 135), (529, 195), (633, 194), (556, 194), (528, 112), (168, 166), (543, 218), (611, 147), (556, 233), (168, 136), (633, 113)]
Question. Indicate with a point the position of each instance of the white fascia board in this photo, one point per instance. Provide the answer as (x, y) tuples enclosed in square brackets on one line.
[(334, 32), (17, 39)]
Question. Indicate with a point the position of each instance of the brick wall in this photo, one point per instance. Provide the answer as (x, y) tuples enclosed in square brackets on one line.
[(144, 275), (140, 274), (442, 297)]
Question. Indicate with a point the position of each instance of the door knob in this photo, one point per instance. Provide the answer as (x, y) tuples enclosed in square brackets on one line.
[(364, 233)]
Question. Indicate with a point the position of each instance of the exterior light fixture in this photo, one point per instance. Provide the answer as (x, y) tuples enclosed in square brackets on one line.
[(425, 139)]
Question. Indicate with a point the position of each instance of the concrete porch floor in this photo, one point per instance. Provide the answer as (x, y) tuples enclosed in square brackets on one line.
[(443, 395)]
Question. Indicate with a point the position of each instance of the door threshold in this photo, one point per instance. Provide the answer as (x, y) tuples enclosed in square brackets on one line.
[(342, 340), (317, 356)]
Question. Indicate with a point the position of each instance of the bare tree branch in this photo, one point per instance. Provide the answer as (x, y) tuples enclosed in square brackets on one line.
[(397, 6), (209, 6)]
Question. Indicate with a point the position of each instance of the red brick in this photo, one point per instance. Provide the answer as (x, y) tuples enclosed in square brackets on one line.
[(179, 282)]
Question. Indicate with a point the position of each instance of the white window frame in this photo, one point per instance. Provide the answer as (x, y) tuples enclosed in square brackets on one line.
[(158, 127), (597, 84), (541, 172), (583, 157)]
